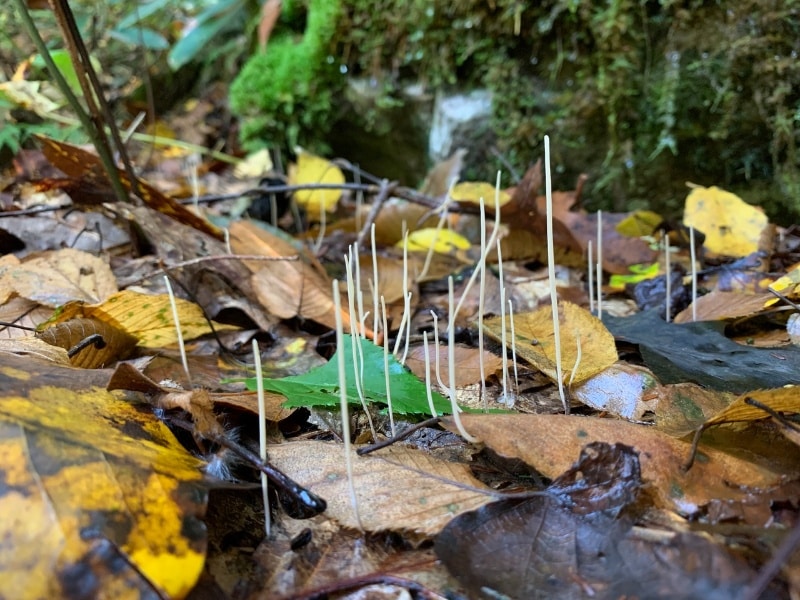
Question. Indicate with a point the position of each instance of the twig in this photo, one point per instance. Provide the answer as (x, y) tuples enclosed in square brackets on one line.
[(383, 193)]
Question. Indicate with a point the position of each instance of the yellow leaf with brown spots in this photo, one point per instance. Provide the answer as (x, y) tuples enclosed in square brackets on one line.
[(97, 497)]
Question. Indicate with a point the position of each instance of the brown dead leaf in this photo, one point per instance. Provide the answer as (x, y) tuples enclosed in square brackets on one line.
[(34, 347), (547, 442), (285, 288), (535, 341), (57, 277), (468, 368), (398, 489), (269, 16), (683, 407), (719, 305)]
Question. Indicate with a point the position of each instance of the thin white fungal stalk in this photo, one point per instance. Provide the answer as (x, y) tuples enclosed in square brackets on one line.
[(428, 392), (408, 330), (551, 273), (406, 318), (386, 368), (375, 288), (227, 233), (578, 355), (439, 226), (436, 345), (193, 161), (507, 399), (355, 342), (481, 302), (600, 264), (489, 244), (356, 265), (451, 367), (322, 222), (590, 276), (262, 433), (668, 269), (179, 334), (348, 458), (513, 345), (693, 257)]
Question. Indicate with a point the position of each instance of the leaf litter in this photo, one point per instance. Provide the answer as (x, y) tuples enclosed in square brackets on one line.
[(628, 518)]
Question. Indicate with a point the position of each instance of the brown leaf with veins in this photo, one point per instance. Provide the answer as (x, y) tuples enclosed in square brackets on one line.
[(398, 489), (546, 442)]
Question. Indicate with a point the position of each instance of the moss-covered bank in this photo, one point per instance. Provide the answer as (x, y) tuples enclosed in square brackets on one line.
[(643, 95)]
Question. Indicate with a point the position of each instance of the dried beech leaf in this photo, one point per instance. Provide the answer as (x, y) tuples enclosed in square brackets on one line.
[(398, 489), (547, 441), (55, 278)]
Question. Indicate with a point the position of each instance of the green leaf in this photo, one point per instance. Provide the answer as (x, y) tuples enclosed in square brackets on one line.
[(144, 36), (196, 41), (320, 386)]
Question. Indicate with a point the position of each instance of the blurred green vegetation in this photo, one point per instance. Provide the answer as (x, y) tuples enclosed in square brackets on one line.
[(642, 95)]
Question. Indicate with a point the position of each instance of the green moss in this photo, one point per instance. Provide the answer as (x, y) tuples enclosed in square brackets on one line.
[(285, 94)]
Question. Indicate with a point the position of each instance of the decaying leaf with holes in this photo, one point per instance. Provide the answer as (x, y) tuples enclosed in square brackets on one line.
[(97, 497)]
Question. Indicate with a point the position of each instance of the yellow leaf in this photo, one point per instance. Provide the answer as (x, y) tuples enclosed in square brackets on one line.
[(788, 285), (473, 191), (638, 273), (639, 223), (149, 318), (444, 241), (535, 341), (96, 494), (311, 169), (785, 399), (732, 227)]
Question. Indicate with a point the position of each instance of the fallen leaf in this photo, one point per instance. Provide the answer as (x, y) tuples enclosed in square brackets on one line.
[(571, 542), (732, 227), (99, 498), (285, 288), (146, 317), (547, 441), (467, 360), (398, 489), (311, 169), (87, 169), (320, 386), (699, 353), (444, 241), (473, 191), (57, 277), (535, 341)]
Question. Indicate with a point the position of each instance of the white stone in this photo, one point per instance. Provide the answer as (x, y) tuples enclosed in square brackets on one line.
[(454, 117)]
